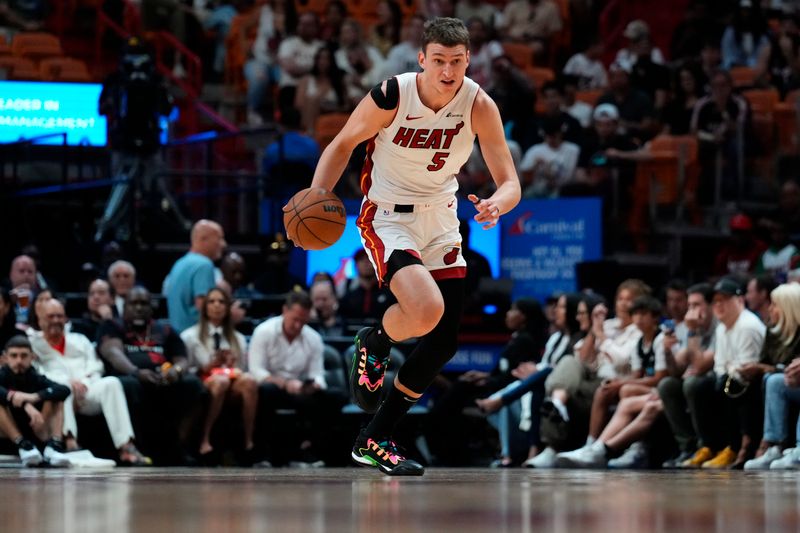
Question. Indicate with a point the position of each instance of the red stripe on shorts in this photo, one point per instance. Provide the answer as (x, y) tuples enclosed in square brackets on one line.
[(366, 171), (372, 242), (449, 273)]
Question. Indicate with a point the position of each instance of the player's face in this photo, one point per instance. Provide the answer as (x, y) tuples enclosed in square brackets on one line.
[(444, 66)]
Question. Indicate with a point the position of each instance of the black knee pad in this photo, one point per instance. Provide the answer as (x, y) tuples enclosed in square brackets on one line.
[(437, 347), (399, 259)]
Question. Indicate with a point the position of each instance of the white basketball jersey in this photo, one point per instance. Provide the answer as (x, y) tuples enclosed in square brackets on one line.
[(416, 158)]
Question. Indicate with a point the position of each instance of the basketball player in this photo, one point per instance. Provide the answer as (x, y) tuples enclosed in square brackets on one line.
[(421, 129)]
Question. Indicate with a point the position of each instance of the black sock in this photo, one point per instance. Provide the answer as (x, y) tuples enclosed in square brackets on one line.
[(609, 451), (380, 340), (389, 414)]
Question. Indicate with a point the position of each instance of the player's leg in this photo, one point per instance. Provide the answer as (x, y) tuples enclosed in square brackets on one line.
[(374, 445), (417, 311)]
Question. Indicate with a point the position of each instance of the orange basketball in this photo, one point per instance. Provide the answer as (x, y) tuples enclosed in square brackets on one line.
[(314, 218)]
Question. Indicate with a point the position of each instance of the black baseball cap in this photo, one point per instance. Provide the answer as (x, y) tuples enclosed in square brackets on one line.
[(728, 286)]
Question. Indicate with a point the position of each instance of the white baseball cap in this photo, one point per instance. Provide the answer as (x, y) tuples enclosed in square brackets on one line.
[(606, 112)]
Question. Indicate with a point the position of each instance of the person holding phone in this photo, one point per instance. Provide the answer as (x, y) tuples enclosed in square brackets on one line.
[(216, 353)]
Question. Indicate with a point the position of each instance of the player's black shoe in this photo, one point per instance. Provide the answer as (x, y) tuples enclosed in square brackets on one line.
[(367, 371), (384, 456)]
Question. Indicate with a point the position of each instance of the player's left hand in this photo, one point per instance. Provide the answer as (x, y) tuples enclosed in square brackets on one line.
[(488, 211)]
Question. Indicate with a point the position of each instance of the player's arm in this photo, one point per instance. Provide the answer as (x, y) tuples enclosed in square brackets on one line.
[(364, 123), (488, 126)]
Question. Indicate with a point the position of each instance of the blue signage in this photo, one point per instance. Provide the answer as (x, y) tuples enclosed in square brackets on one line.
[(30, 109), (544, 239)]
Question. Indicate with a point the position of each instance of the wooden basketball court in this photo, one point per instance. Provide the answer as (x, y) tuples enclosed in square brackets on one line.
[(350, 499)]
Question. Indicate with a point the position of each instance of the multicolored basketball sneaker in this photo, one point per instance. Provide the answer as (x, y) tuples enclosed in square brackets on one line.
[(366, 373), (384, 456)]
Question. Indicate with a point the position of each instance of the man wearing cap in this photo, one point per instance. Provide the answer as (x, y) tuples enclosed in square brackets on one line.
[(600, 156), (638, 34), (738, 340), (635, 107)]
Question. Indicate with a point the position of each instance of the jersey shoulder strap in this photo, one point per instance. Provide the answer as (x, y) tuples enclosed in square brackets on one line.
[(391, 98)]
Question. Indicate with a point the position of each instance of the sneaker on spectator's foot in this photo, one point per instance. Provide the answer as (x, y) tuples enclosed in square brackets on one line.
[(385, 456), (789, 461), (129, 455), (698, 458), (590, 456), (546, 459), (55, 454), (762, 463), (635, 457), (723, 459), (367, 372), (676, 462), (28, 453)]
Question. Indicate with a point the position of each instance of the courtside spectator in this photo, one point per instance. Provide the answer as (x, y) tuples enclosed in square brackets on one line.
[(325, 317), (780, 351), (100, 307), (31, 407), (580, 111), (217, 354), (676, 304), (150, 359), (363, 298), (689, 88), (745, 42), (192, 276), (70, 359), (779, 364), (234, 273), (22, 282), (691, 381), (736, 414), (757, 296), (286, 358), (122, 277)]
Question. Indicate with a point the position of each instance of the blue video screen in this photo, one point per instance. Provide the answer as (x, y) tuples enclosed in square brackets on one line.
[(29, 109), (338, 259)]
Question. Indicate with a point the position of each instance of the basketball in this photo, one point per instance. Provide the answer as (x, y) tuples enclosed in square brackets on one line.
[(314, 218)]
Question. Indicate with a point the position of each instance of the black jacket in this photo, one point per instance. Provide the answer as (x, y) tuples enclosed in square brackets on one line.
[(31, 382)]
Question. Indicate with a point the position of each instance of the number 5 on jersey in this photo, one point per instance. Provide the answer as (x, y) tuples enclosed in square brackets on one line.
[(438, 161)]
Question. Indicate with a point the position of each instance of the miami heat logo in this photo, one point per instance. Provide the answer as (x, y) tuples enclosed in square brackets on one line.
[(451, 254)]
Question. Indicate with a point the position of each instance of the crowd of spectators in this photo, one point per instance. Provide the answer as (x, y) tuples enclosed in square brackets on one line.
[(684, 376)]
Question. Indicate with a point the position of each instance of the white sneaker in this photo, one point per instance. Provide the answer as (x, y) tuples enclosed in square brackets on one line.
[(545, 459), (789, 461), (29, 454), (773, 453), (635, 457), (86, 459), (590, 456), (56, 458)]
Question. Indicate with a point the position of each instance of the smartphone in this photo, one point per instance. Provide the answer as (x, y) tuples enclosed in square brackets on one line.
[(668, 326)]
